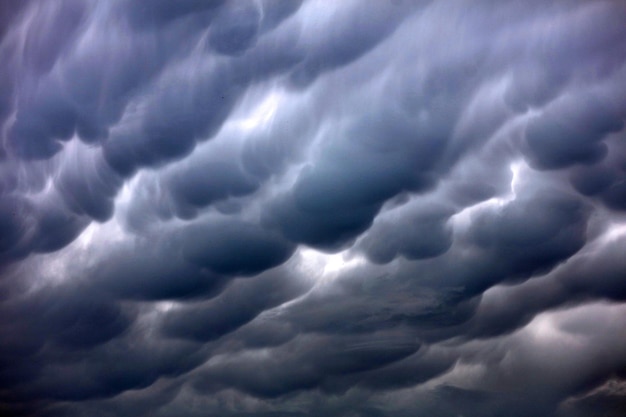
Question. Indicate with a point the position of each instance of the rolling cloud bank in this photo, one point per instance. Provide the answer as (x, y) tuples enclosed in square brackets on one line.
[(313, 208)]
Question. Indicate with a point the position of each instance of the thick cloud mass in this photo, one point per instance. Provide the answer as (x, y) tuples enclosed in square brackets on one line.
[(313, 208)]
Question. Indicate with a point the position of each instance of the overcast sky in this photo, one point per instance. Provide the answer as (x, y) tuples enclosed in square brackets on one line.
[(360, 208)]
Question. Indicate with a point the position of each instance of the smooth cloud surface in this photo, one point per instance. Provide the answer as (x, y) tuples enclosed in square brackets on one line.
[(307, 208)]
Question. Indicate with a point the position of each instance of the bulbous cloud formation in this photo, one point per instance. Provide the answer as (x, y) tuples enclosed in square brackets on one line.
[(312, 208)]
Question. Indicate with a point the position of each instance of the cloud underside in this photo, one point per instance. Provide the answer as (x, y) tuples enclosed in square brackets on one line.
[(295, 208)]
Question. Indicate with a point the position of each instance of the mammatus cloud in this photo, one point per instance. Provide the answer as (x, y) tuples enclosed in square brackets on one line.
[(306, 208)]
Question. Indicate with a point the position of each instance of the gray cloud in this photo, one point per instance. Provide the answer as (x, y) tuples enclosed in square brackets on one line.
[(293, 208)]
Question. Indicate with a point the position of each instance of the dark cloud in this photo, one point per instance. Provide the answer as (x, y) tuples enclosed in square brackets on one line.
[(295, 208), (239, 304), (533, 234), (236, 27), (572, 131), (424, 234), (87, 184), (307, 363), (234, 248), (153, 270), (160, 12)]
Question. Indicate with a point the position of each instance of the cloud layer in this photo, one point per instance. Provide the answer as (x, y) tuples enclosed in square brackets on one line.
[(305, 208)]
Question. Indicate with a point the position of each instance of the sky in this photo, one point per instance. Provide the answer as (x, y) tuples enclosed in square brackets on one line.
[(284, 208)]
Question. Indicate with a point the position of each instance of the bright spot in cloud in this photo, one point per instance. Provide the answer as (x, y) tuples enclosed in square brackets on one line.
[(263, 113), (164, 306), (516, 169), (463, 219), (326, 267), (614, 232)]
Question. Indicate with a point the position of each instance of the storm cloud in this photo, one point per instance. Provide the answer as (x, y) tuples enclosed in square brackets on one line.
[(312, 208)]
